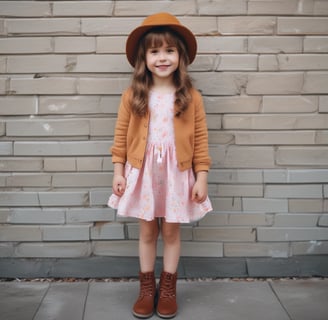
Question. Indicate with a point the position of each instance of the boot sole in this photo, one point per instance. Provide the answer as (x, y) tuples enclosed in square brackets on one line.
[(166, 316), (142, 316)]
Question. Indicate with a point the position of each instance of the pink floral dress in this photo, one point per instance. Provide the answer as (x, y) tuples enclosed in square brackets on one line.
[(159, 188)]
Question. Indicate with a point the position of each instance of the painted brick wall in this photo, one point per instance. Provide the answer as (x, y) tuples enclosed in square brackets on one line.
[(262, 67)]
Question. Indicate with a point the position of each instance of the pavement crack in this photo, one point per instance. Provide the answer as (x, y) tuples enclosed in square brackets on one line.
[(278, 299)]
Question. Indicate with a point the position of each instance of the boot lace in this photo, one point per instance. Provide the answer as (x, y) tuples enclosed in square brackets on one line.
[(167, 289)]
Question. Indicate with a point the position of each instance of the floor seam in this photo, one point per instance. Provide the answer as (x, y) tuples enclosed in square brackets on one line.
[(280, 302)]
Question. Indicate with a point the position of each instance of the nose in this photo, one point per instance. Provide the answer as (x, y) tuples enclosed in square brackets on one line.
[(162, 56)]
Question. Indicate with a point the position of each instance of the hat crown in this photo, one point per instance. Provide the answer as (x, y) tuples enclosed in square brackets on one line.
[(160, 19)]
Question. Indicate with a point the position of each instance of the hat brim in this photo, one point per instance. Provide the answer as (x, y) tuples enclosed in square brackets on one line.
[(136, 35)]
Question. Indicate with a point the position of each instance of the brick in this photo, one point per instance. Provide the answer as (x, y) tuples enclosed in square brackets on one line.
[(99, 197), (13, 105), (20, 164), (80, 215), (84, 8), (296, 191), (200, 25), (237, 104), (302, 25), (74, 44), (94, 179), (53, 26), (248, 157), (302, 61), (60, 164), (63, 198), (102, 127), (3, 85), (315, 44), (275, 122), (53, 250), (325, 191), (20, 233), (226, 204), (16, 199), (323, 220), (102, 85), (290, 104), (214, 122), (29, 180), (3, 179), (235, 176), (6, 148), (321, 137), (126, 248), (215, 137), (305, 205), (3, 64), (276, 250), (44, 85), (247, 25), (25, 45), (315, 82), (268, 63), (107, 231), (313, 156), (265, 44), (240, 190), (218, 83), (203, 63), (309, 247), (48, 127), (66, 232), (236, 63), (291, 7), (51, 148), (218, 44), (214, 219), (36, 216), (89, 164), (291, 234), (6, 249), (113, 44), (275, 83), (135, 8), (2, 128), (220, 7), (308, 176), (109, 26), (78, 104), (295, 220), (224, 234), (323, 104), (265, 205), (250, 219), (320, 7), (201, 249), (25, 9)]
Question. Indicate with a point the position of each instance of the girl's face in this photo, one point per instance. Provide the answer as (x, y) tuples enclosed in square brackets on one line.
[(162, 61)]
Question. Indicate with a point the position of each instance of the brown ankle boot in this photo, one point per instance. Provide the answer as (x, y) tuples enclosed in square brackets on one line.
[(145, 304), (167, 305)]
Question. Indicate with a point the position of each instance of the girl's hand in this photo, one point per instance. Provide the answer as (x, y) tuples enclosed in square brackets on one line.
[(199, 190), (119, 184)]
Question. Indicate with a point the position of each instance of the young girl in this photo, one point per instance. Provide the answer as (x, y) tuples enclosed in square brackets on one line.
[(160, 153)]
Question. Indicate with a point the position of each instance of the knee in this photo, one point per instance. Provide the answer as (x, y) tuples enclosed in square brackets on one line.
[(149, 235), (171, 235)]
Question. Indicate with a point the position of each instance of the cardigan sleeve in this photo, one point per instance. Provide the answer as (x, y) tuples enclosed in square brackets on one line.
[(201, 158), (119, 148)]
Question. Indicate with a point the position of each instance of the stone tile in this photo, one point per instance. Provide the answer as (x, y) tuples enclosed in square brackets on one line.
[(20, 301), (63, 301), (303, 299)]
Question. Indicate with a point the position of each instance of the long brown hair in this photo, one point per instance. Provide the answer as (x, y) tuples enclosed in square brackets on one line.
[(142, 80)]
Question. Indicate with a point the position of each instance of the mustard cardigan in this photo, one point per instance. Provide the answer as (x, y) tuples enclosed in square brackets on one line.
[(190, 130)]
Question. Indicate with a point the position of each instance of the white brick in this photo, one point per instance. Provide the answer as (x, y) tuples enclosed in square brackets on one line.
[(102, 85), (308, 176), (226, 204), (315, 82), (25, 9), (20, 233), (36, 216), (265, 205), (224, 234), (53, 250), (240, 190), (290, 104), (83, 8), (78, 215), (117, 248), (309, 247), (13, 105), (43, 26), (235, 176), (221, 7), (16, 199), (323, 220), (25, 45), (20, 164), (102, 127), (246, 249), (311, 156), (295, 191), (305, 205), (28, 180), (114, 44), (89, 164), (63, 198), (291, 7), (66, 233), (75, 44), (94, 179), (218, 44), (201, 249), (99, 197), (60, 164), (296, 220), (247, 25), (107, 231), (323, 104), (264, 44), (237, 63), (214, 219), (315, 44), (6, 249), (6, 148), (302, 61), (236, 104), (250, 219), (302, 25), (291, 234)]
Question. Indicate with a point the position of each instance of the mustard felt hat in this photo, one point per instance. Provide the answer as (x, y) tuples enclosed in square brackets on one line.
[(160, 20)]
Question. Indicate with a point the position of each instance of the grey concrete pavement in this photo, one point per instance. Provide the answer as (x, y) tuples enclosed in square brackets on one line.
[(226, 299)]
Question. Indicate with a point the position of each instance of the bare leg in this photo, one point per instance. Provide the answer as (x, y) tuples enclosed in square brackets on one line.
[(148, 235), (171, 239)]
